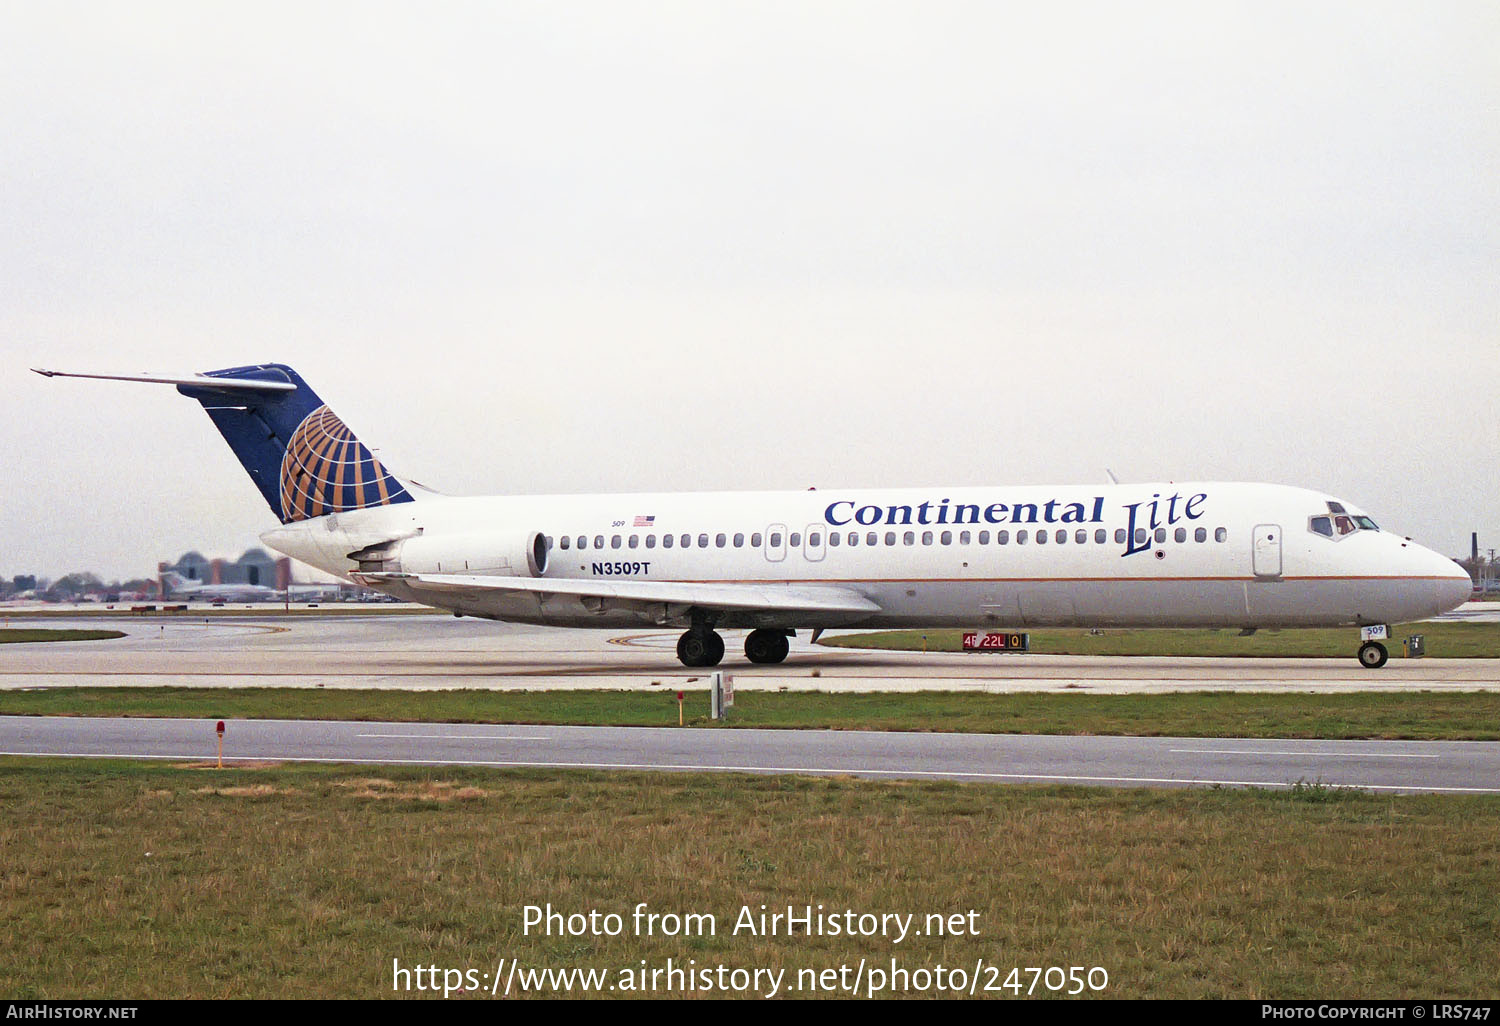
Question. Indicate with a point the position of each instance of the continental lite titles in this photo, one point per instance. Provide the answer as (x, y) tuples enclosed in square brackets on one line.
[(1141, 517)]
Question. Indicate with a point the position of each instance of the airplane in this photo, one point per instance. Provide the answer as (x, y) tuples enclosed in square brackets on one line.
[(180, 587), (1229, 555)]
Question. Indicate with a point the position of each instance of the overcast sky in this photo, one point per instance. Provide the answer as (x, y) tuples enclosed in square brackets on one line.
[(574, 247)]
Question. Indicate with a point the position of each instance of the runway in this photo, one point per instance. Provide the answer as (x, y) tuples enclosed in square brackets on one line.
[(1382, 766), (367, 650)]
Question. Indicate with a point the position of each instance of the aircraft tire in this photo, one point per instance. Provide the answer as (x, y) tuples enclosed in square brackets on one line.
[(715, 649), (700, 648), (764, 646), (1372, 655)]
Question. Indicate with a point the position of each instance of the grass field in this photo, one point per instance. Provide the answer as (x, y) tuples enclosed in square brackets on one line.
[(123, 880), (1443, 639), (17, 634), (1422, 715)]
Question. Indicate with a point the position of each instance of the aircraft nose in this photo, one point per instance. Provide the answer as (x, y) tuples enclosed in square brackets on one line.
[(1451, 584)]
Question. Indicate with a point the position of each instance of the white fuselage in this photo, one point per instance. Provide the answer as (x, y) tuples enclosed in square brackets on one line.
[(1153, 555)]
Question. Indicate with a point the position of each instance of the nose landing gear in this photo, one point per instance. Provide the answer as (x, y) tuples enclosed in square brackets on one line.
[(1372, 655)]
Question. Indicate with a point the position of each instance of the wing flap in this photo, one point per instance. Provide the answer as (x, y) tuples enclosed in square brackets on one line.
[(767, 596)]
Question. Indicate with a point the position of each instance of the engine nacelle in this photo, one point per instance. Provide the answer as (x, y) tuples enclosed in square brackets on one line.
[(496, 554)]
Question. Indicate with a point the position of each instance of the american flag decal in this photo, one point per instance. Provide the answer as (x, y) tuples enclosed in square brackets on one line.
[(644, 521)]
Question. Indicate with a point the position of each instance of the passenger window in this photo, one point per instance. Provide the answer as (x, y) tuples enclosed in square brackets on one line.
[(635, 540), (703, 541), (1140, 536), (1180, 535), (667, 540), (755, 540), (739, 541), (796, 539), (650, 541), (1003, 538), (835, 539), (1021, 537), (926, 537), (565, 541), (1081, 537), (984, 537), (1061, 536), (1119, 536), (720, 541), (1161, 534), (547, 540), (686, 541), (1041, 537), (1101, 536), (963, 538), (1220, 534), (910, 537), (614, 542), (1200, 535), (815, 539), (853, 538), (775, 539), (598, 541), (874, 539), (583, 541)]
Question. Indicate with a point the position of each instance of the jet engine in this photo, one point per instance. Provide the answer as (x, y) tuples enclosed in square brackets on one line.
[(493, 554)]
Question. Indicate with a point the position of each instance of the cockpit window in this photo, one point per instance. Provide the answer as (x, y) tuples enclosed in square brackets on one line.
[(1340, 524)]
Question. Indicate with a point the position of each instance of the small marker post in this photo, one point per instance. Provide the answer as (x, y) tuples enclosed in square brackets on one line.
[(679, 708), (220, 731)]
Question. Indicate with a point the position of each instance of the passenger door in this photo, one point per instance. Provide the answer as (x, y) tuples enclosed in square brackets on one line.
[(1266, 552)]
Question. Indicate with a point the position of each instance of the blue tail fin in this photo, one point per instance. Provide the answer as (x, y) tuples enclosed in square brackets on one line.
[(303, 459)]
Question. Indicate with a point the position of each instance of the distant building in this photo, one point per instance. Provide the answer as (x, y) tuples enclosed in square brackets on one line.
[(256, 566)]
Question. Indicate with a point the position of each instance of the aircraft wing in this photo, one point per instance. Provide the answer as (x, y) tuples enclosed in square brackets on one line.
[(763, 597)]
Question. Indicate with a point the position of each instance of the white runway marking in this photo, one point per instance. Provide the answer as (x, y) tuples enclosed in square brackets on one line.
[(463, 737), (1320, 755)]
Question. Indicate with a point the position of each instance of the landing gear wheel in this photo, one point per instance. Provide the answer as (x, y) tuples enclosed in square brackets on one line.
[(1372, 655), (765, 646), (700, 648)]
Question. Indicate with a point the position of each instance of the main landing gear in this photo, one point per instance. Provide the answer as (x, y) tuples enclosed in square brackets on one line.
[(701, 645), (766, 646)]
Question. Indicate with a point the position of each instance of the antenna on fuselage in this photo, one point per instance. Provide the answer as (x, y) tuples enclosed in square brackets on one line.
[(1111, 475)]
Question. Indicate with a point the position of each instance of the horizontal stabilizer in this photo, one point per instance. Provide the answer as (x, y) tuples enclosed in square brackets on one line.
[(191, 380)]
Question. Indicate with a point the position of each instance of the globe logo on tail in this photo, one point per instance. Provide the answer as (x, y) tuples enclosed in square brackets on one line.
[(327, 470)]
